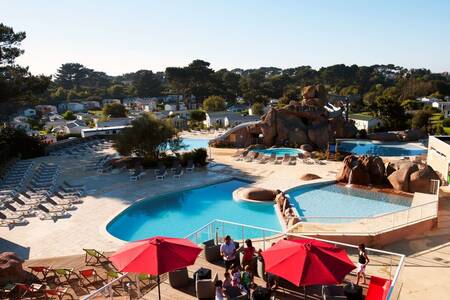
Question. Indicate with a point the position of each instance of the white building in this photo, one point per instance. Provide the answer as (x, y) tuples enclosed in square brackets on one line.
[(443, 106), (91, 105), (113, 122), (75, 127), (111, 130), (365, 122), (29, 112), (46, 109), (226, 119), (110, 101)]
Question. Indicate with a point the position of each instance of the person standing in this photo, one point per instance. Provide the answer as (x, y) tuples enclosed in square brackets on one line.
[(228, 252), (363, 260), (249, 253)]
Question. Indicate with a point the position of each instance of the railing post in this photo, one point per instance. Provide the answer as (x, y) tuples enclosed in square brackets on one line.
[(243, 239), (264, 240)]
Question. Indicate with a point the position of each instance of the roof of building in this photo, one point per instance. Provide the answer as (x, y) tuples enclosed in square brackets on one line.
[(361, 117)]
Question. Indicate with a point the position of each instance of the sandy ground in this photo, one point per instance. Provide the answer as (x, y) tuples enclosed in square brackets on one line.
[(426, 272)]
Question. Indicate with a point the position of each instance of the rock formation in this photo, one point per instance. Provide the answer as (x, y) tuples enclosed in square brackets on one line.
[(309, 176), (254, 193), (362, 170), (305, 122), (402, 175), (400, 136), (11, 269)]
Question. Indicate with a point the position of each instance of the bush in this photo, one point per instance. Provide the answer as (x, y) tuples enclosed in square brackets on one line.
[(199, 156), (362, 134), (446, 122), (16, 143)]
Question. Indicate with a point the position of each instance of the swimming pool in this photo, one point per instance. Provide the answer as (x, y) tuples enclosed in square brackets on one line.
[(181, 213), (279, 151), (194, 143), (334, 200), (380, 148)]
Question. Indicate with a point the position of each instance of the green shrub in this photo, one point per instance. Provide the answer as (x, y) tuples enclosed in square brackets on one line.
[(199, 156), (446, 122)]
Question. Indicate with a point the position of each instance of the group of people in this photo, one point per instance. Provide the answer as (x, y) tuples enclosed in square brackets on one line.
[(284, 206), (241, 275)]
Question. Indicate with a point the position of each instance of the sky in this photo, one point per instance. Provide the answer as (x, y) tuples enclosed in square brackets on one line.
[(124, 36)]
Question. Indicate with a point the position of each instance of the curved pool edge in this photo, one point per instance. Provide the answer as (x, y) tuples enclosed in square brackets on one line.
[(103, 228)]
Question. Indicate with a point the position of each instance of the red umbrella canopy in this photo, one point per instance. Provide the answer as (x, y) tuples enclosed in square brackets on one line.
[(307, 262), (156, 255)]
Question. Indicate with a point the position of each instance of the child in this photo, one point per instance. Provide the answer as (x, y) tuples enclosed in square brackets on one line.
[(236, 276), (247, 278), (219, 290), (227, 281)]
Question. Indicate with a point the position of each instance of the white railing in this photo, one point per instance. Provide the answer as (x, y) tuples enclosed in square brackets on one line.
[(107, 290), (372, 225), (384, 264)]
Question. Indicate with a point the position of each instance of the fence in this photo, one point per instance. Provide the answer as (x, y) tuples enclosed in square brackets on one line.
[(382, 263), (425, 207)]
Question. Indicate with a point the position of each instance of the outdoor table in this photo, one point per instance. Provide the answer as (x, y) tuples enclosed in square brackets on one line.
[(353, 291), (202, 273)]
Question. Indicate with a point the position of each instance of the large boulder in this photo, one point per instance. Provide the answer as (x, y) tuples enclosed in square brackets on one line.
[(309, 176), (420, 180), (11, 269), (399, 179), (362, 170), (255, 193)]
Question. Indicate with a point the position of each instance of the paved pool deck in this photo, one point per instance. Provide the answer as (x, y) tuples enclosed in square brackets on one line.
[(426, 271)]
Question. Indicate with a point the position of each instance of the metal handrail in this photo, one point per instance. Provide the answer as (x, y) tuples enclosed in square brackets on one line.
[(106, 286), (399, 266)]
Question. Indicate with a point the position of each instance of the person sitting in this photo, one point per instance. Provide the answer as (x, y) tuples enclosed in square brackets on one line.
[(228, 252), (249, 253), (272, 282), (235, 276), (227, 282), (289, 213), (247, 278), (219, 290), (286, 205)]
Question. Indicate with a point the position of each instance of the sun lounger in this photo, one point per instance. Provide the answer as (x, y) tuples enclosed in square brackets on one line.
[(93, 257), (89, 277), (293, 160), (6, 221), (136, 176), (47, 215), (279, 160), (62, 205), (190, 166), (24, 210), (286, 159), (73, 200), (56, 293), (50, 209), (318, 162), (161, 173), (251, 156), (175, 165), (178, 173), (65, 276)]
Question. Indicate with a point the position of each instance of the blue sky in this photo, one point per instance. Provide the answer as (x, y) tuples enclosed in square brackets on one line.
[(123, 36)]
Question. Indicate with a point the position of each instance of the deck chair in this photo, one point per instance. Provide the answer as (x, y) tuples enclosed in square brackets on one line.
[(66, 274), (286, 159), (55, 293), (23, 290), (35, 270), (93, 257), (90, 276)]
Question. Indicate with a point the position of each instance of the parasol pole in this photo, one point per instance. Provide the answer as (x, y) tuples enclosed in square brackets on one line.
[(159, 291)]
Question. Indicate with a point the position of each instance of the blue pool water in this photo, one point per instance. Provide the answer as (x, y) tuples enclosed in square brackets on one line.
[(191, 143), (381, 149), (279, 151), (333, 200), (180, 213)]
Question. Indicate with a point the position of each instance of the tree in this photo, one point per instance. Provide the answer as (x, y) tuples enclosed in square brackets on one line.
[(116, 91), (258, 109), (114, 110), (14, 142), (147, 84), (420, 119), (214, 103), (69, 115), (17, 85), (197, 116), (146, 138), (390, 111)]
